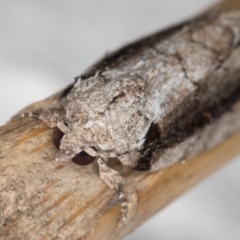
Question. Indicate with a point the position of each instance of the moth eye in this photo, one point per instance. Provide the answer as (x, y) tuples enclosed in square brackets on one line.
[(83, 158), (57, 135)]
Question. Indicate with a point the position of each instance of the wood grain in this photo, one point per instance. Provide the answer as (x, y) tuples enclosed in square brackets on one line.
[(42, 199)]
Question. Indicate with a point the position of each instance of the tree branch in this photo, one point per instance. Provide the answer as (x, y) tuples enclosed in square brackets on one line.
[(42, 199)]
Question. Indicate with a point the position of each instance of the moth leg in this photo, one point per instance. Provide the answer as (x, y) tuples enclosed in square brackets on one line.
[(110, 176), (52, 117), (48, 116), (125, 159), (115, 181)]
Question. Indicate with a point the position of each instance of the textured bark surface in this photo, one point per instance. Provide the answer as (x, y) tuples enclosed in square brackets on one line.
[(42, 199)]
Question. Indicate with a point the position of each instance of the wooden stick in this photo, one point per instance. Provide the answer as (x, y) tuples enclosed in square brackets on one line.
[(228, 5), (42, 199)]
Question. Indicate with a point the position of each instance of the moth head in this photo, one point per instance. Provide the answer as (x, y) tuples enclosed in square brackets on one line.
[(82, 156)]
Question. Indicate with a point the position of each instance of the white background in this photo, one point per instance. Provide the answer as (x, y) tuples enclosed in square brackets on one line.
[(44, 44)]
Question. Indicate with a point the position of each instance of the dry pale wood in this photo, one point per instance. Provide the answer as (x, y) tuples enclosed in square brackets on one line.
[(42, 199), (228, 5)]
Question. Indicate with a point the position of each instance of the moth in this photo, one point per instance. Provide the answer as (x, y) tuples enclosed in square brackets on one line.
[(154, 102)]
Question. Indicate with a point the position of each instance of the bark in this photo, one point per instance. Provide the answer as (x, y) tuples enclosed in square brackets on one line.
[(42, 199)]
